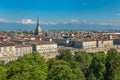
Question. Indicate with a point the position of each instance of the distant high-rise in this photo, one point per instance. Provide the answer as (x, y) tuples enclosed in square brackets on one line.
[(38, 30)]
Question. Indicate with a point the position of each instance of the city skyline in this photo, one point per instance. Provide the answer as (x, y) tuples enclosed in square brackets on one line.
[(60, 11)]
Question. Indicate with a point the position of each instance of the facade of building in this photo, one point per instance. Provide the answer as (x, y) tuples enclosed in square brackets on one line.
[(93, 44), (77, 44), (73, 43), (105, 43), (7, 49), (23, 49), (89, 44), (85, 44), (11, 51), (46, 49), (81, 44)]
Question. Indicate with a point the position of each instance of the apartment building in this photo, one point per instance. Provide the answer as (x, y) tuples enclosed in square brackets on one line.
[(7, 49), (23, 49), (46, 49)]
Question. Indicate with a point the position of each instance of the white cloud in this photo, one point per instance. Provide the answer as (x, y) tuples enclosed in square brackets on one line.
[(72, 21), (29, 21), (118, 14), (26, 21), (65, 22), (3, 20), (51, 23), (107, 23)]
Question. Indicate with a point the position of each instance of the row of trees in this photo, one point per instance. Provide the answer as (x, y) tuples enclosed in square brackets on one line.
[(81, 66)]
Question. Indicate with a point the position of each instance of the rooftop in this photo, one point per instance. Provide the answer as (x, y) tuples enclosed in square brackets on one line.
[(36, 42), (2, 44)]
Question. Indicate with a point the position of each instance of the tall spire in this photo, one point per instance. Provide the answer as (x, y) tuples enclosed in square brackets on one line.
[(38, 30), (38, 20)]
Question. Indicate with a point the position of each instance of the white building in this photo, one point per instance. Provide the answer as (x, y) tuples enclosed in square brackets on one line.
[(46, 49), (89, 44), (7, 49), (105, 43), (93, 44), (23, 49), (85, 44)]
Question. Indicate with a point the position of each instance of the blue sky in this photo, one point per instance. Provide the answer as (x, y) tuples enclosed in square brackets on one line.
[(60, 10)]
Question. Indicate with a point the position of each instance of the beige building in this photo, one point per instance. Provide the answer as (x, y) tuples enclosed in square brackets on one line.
[(93, 44), (10, 51), (85, 44), (89, 44), (105, 43), (46, 49), (82, 44), (7, 49), (23, 49)]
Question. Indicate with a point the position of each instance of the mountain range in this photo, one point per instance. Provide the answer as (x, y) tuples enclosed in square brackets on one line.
[(68, 25)]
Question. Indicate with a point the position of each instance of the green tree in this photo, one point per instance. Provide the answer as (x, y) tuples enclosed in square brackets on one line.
[(65, 55), (113, 65), (76, 69), (50, 63), (61, 70), (75, 66), (92, 77), (29, 67), (2, 71), (84, 59), (97, 67)]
